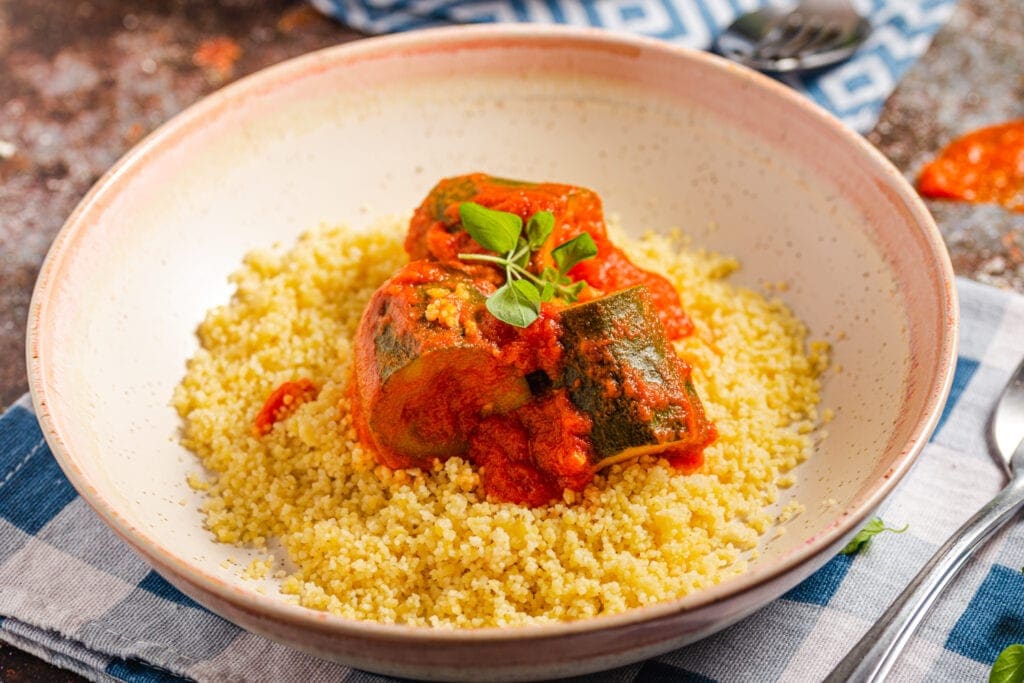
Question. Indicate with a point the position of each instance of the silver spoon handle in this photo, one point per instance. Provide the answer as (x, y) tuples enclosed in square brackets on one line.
[(874, 655)]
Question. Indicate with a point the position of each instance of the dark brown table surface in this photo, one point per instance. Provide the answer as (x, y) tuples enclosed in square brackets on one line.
[(82, 81)]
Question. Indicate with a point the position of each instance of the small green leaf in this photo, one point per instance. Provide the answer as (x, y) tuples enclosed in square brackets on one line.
[(549, 274), (568, 254), (516, 303), (494, 230), (524, 258), (547, 292), (539, 228), (527, 289), (572, 292), (1009, 666), (864, 536)]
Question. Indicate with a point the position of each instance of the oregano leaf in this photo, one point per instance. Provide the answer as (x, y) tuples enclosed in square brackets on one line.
[(539, 228), (497, 231), (547, 292), (524, 251), (549, 274), (568, 254), (864, 536), (516, 302), (572, 292)]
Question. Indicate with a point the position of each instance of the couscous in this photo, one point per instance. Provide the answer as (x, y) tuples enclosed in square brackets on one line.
[(425, 546)]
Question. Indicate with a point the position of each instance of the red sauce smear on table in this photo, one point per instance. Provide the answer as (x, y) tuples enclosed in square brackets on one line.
[(984, 166), (281, 403)]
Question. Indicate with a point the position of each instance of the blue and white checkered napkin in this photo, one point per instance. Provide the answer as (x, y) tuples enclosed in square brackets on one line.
[(854, 91), (74, 594)]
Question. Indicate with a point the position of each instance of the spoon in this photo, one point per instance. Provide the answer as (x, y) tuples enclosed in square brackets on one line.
[(810, 35), (873, 657)]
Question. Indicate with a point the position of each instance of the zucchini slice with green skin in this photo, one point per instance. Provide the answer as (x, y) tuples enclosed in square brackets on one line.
[(435, 230), (621, 371), (424, 374)]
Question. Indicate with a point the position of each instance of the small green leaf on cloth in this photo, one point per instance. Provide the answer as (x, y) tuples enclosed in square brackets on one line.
[(1009, 666), (864, 536)]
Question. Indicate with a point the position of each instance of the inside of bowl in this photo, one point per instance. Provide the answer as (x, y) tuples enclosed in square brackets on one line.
[(667, 140)]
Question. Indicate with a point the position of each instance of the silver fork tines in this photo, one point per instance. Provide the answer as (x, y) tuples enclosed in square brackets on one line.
[(814, 34)]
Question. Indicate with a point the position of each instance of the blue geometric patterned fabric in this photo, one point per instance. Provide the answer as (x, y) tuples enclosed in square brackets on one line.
[(854, 91), (74, 594)]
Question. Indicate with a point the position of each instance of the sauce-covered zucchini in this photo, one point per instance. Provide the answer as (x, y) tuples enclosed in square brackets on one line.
[(523, 340), (424, 373), (621, 371), (435, 230)]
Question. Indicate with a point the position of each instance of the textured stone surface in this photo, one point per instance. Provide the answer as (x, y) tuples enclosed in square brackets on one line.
[(971, 77), (80, 85)]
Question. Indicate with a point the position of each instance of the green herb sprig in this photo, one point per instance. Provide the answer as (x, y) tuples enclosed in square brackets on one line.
[(864, 536), (1009, 666), (517, 302)]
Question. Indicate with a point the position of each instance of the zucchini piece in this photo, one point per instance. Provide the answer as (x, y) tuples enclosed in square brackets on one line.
[(424, 374), (435, 230), (621, 371)]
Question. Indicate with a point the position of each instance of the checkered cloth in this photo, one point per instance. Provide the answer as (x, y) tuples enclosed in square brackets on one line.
[(854, 91), (72, 593)]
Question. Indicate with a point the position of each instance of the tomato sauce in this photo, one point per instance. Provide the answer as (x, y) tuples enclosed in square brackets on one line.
[(531, 455), (614, 271), (984, 166), (689, 460), (281, 403)]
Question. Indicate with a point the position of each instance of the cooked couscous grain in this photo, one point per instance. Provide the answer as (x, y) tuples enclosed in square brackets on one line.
[(423, 547)]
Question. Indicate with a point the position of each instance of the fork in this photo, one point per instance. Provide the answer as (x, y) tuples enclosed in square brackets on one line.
[(810, 35)]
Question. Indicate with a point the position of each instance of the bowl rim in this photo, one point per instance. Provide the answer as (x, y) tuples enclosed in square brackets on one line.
[(489, 36)]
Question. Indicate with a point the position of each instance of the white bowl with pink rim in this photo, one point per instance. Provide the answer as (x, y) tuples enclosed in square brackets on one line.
[(668, 137)]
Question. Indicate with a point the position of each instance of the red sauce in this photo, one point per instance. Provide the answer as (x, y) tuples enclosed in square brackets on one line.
[(281, 403), (500, 449), (531, 348), (985, 166), (531, 455), (612, 271), (689, 460), (558, 434)]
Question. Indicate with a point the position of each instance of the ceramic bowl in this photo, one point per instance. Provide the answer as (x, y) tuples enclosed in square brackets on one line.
[(667, 136)]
